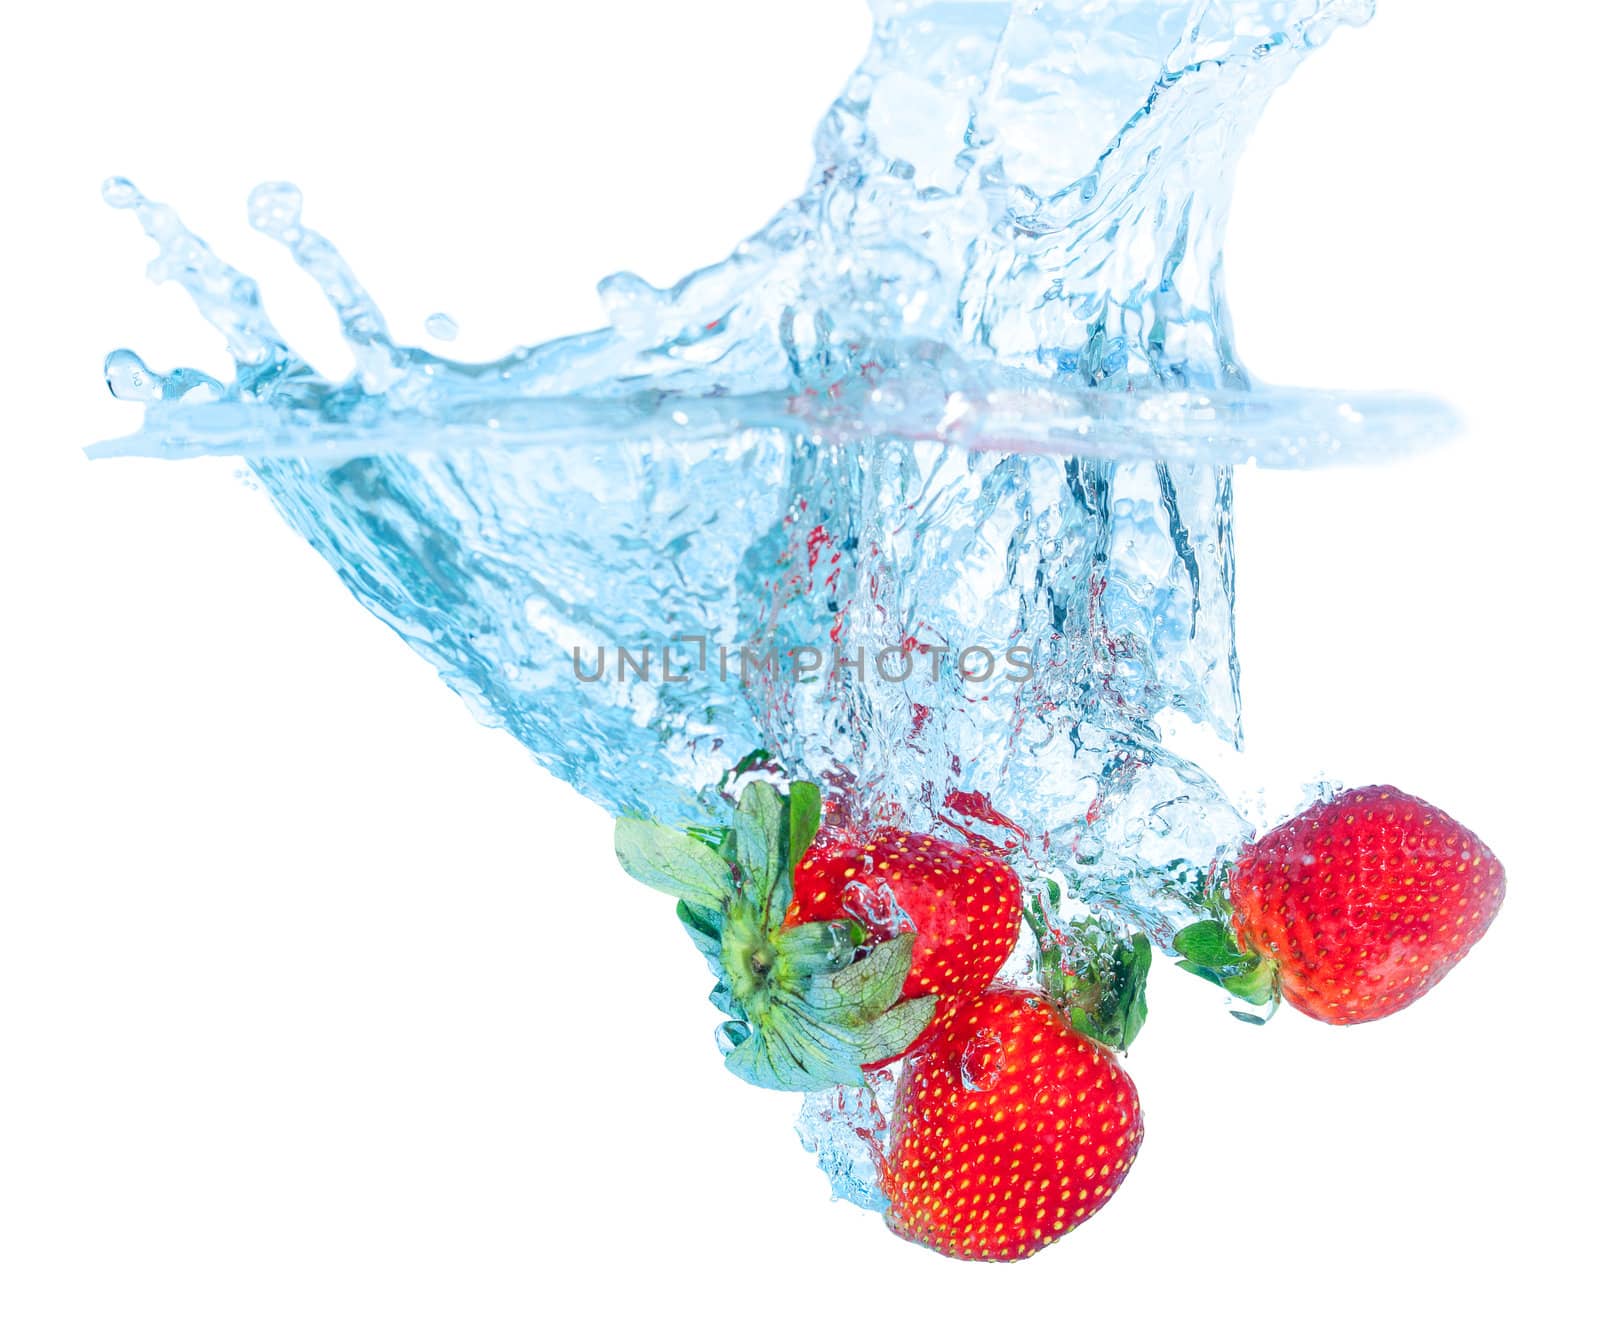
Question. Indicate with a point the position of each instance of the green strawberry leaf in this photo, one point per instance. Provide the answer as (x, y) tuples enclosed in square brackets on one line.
[(1255, 983), (817, 948), (825, 1043), (1218, 959), (755, 1063), (891, 1033), (805, 818), (672, 863), (832, 1047), (1132, 1006), (1209, 944), (760, 833), (823, 1032), (704, 928), (1096, 975), (1204, 972), (791, 1051), (867, 988), (714, 836)]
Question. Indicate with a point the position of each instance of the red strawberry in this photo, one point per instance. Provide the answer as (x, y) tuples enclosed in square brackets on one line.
[(965, 906), (1364, 902), (1009, 1131)]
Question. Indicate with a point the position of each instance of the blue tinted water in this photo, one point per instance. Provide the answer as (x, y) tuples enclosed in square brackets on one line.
[(926, 490)]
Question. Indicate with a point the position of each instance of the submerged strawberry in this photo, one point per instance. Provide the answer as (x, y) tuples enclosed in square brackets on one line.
[(1010, 1130), (1353, 909), (809, 1006), (964, 905)]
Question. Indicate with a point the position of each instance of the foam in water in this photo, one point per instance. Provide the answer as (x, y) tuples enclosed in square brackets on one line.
[(925, 492)]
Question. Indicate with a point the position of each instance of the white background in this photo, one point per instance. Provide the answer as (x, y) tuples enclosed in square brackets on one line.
[(318, 999)]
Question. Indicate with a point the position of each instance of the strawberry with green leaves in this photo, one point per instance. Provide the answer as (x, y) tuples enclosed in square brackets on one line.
[(809, 1005), (1010, 1129), (964, 905), (1352, 910)]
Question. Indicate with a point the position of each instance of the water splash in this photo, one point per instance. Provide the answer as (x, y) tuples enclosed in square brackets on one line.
[(846, 1128), (925, 490), (1012, 238)]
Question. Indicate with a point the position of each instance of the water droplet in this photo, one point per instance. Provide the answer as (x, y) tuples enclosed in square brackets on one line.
[(119, 192), (441, 326), (128, 378), (730, 1035), (275, 209), (841, 948), (982, 1061)]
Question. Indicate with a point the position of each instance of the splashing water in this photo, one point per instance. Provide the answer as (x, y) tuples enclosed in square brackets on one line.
[(925, 491), (846, 1128)]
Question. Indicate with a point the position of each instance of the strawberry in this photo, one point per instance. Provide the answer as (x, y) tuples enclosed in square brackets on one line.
[(1010, 1130), (964, 905), (809, 1006), (1352, 909)]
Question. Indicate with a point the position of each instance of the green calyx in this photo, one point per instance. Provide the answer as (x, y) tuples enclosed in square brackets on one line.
[(1209, 950), (1094, 973), (809, 1008)]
